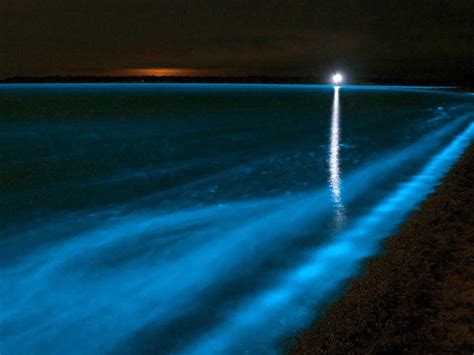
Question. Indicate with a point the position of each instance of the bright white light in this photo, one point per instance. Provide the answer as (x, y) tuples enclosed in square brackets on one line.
[(334, 165), (337, 78)]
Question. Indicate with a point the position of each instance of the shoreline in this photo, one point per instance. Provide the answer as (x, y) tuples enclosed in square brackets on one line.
[(257, 79), (417, 296)]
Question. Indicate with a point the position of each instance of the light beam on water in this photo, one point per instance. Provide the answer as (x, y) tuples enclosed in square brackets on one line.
[(334, 165), (287, 305), (232, 277)]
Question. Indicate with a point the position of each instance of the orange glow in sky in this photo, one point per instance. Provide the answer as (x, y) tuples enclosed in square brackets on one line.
[(159, 72)]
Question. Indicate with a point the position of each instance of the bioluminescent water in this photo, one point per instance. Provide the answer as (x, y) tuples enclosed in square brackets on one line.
[(206, 219)]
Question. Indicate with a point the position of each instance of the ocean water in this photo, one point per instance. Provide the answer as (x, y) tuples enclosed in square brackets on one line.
[(202, 218)]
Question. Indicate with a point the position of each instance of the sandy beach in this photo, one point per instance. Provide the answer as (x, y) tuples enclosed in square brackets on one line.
[(418, 295)]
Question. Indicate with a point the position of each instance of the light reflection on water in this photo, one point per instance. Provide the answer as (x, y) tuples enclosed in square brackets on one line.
[(230, 275), (287, 305), (334, 165)]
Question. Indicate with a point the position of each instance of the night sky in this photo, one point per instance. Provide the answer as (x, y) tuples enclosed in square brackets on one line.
[(385, 40)]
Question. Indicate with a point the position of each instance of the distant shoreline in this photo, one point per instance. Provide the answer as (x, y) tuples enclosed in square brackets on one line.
[(226, 79), (161, 79), (416, 296)]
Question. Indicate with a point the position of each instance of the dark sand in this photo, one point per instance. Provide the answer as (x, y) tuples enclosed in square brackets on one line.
[(418, 296)]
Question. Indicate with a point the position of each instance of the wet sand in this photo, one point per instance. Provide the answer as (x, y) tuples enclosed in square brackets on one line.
[(418, 295)]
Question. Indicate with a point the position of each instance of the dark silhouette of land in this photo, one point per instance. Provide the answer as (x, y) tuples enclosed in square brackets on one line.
[(230, 79), (157, 79)]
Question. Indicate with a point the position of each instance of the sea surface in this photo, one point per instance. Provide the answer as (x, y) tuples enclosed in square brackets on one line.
[(203, 218)]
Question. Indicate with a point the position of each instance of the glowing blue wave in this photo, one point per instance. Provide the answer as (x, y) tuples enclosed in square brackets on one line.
[(288, 304), (208, 278)]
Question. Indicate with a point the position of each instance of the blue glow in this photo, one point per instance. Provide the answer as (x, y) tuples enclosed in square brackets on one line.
[(282, 308), (233, 249), (218, 87)]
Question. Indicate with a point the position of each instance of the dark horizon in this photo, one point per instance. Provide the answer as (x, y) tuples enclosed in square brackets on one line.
[(230, 80), (397, 41)]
